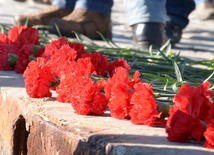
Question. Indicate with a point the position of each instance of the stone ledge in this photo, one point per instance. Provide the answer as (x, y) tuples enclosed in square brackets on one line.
[(45, 126)]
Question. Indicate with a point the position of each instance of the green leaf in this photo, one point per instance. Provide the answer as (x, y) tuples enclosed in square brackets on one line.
[(36, 49), (85, 40), (164, 56), (177, 72), (12, 59), (58, 31), (31, 57), (26, 22), (108, 41), (167, 81), (176, 86), (150, 51), (168, 49), (208, 78), (165, 45), (2, 29)]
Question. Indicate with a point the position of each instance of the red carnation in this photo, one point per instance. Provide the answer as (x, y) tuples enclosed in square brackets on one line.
[(136, 79), (5, 50), (144, 107), (83, 94), (191, 105), (38, 78), (3, 38), (61, 59), (53, 47), (23, 55), (14, 33), (194, 101), (181, 127), (119, 63), (84, 67), (118, 90), (86, 98), (119, 102), (210, 114), (209, 135), (120, 76), (79, 48), (21, 35), (65, 87), (29, 36), (100, 62)]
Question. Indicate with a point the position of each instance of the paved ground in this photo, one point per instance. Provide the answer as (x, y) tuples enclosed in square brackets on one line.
[(197, 41)]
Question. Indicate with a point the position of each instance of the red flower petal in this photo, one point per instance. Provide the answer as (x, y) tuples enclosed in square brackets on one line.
[(209, 135), (144, 107), (37, 78)]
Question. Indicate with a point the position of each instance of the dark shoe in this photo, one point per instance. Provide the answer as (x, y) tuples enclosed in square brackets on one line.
[(173, 32), (147, 34), (84, 22), (42, 17)]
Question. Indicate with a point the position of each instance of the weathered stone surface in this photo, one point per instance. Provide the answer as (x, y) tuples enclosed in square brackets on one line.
[(47, 138), (46, 127), (11, 121)]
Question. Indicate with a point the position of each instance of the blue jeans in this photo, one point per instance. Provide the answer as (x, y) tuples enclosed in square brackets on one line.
[(102, 6), (179, 10), (144, 11), (139, 11)]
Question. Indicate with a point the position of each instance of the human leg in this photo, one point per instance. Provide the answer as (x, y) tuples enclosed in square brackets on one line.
[(58, 9), (147, 19), (38, 1), (177, 12), (65, 4), (88, 17)]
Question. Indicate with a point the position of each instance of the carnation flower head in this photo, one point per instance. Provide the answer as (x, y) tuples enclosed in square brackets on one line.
[(53, 47), (79, 48), (5, 50), (83, 94), (181, 127), (21, 35), (191, 106), (4, 38), (38, 78), (61, 59), (118, 90), (84, 67), (120, 62), (209, 135), (14, 32), (23, 57), (100, 62), (144, 107), (194, 101), (120, 76)]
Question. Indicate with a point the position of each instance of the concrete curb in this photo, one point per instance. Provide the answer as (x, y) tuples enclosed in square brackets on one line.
[(47, 127)]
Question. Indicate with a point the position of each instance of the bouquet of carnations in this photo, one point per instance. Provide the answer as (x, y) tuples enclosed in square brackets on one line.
[(93, 82)]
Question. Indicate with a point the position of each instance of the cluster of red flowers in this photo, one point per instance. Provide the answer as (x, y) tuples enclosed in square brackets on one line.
[(192, 115), (68, 67), (75, 74), (16, 48)]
